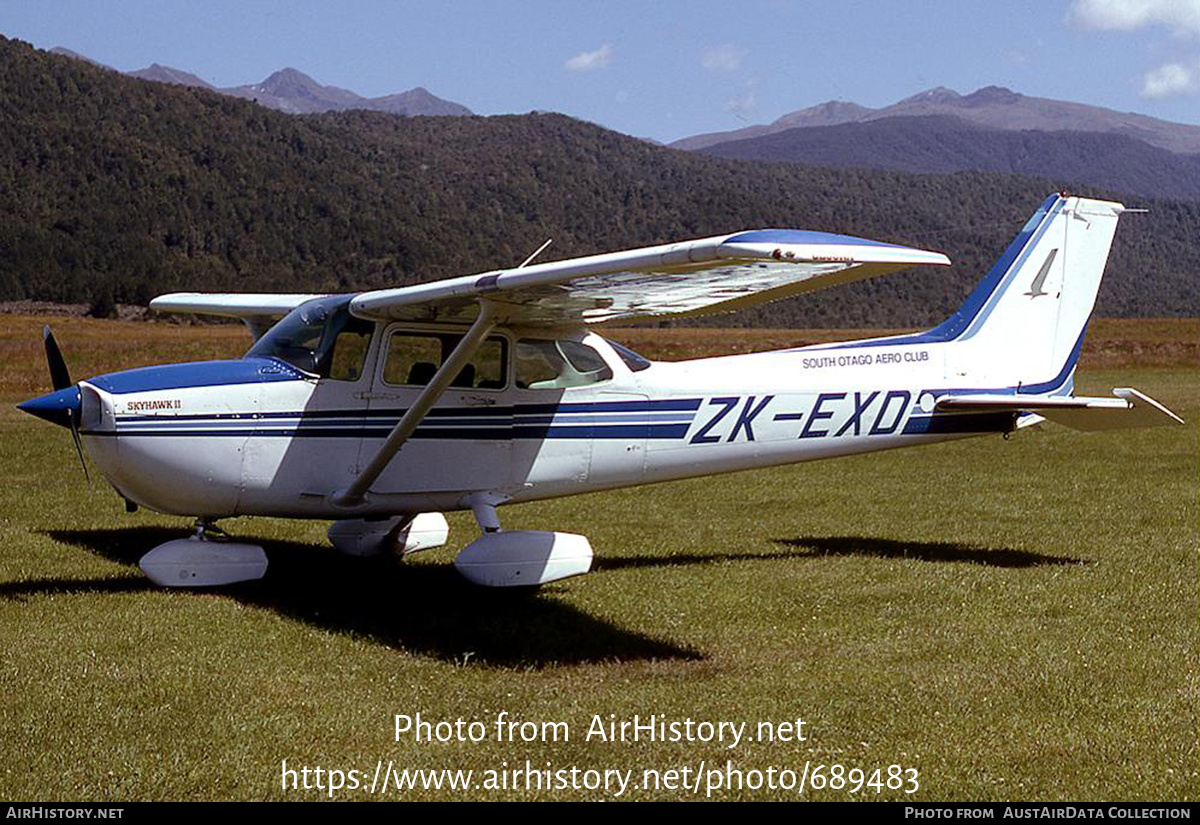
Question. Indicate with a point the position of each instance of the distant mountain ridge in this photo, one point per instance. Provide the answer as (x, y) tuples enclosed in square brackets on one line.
[(63, 51), (121, 189), (942, 144), (992, 106), (165, 74), (290, 90)]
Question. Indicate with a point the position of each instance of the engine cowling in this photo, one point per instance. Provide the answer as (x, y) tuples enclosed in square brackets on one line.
[(400, 535)]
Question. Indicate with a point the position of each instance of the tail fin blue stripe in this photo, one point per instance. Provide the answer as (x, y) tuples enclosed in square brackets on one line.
[(1004, 276), (1063, 383)]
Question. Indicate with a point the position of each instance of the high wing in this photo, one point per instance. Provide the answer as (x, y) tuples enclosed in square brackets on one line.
[(258, 310), (704, 276), (699, 277), (231, 305)]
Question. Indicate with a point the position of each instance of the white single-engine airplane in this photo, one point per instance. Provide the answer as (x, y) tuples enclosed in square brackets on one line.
[(382, 410)]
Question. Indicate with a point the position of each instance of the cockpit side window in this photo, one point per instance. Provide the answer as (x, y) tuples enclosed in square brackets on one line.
[(544, 364), (349, 351), (320, 337), (414, 357)]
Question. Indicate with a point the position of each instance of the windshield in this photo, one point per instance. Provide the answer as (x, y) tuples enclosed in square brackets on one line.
[(635, 362), (320, 337)]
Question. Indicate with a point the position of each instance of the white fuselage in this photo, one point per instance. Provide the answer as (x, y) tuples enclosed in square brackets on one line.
[(258, 437)]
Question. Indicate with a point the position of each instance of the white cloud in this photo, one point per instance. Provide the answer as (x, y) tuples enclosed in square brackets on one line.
[(1169, 79), (723, 58), (587, 61), (1182, 16)]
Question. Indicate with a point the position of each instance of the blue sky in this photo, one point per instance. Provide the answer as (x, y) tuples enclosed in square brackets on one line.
[(664, 69)]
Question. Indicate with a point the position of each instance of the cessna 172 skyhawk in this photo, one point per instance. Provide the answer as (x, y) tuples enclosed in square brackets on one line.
[(382, 410)]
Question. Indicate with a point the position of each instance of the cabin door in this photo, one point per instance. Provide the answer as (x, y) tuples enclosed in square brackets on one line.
[(464, 443)]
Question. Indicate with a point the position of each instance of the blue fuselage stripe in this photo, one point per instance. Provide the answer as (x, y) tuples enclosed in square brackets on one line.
[(643, 418), (495, 433)]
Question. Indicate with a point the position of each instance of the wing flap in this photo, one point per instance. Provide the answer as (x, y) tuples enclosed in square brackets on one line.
[(1128, 408), (704, 276)]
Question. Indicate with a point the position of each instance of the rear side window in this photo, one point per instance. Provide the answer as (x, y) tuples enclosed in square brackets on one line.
[(414, 357), (544, 364)]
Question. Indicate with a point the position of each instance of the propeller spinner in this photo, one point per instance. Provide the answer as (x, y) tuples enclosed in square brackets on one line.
[(64, 405)]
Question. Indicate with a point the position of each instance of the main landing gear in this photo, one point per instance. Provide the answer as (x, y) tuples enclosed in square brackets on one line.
[(498, 558), (519, 558)]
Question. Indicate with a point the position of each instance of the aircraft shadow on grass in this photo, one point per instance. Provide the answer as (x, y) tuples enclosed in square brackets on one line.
[(423, 609), (809, 548), (430, 610), (934, 551)]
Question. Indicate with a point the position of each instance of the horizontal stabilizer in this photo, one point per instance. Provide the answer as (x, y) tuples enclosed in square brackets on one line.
[(1127, 408)]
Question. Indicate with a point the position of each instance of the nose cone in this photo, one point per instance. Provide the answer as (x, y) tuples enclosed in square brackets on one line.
[(57, 407)]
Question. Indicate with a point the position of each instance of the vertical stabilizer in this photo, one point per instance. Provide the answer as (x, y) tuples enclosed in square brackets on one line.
[(1023, 325)]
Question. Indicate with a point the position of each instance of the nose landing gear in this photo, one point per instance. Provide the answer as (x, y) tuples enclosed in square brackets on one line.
[(207, 559)]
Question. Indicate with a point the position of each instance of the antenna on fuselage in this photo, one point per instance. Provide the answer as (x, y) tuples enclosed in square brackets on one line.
[(537, 252)]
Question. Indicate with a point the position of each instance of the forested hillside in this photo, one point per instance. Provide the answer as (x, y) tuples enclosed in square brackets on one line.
[(112, 187)]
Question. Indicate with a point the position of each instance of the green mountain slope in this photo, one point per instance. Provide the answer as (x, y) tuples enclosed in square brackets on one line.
[(113, 186)]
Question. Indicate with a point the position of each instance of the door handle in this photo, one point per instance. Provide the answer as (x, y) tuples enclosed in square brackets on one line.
[(376, 396)]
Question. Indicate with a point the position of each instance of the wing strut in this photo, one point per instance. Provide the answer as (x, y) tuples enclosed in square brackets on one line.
[(429, 396)]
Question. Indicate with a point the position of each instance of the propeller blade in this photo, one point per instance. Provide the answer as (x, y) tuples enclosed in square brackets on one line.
[(59, 376), (79, 445)]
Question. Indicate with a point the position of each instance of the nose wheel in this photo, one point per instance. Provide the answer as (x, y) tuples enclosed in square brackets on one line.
[(207, 559), (206, 529)]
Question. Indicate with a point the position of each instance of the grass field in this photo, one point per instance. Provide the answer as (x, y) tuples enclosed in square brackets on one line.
[(1017, 620)]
